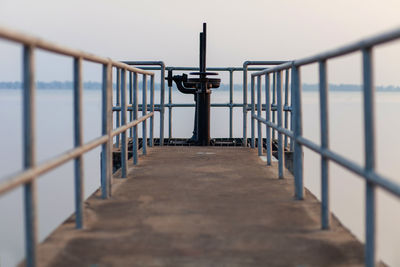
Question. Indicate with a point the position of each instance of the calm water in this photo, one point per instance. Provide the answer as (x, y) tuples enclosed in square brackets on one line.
[(54, 135)]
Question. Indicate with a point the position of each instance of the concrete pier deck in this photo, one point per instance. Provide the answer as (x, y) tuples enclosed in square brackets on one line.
[(201, 206)]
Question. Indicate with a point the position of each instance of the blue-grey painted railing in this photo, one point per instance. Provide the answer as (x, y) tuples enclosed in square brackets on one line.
[(273, 107), (32, 171), (231, 105), (368, 171)]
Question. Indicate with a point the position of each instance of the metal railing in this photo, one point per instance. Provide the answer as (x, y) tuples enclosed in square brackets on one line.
[(32, 170), (368, 172), (231, 105), (280, 124)]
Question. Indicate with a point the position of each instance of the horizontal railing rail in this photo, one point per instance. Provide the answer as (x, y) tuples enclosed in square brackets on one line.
[(368, 172), (32, 170)]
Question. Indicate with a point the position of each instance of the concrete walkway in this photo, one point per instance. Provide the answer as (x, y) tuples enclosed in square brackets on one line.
[(201, 206)]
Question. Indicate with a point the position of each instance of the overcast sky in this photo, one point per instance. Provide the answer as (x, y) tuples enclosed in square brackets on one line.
[(237, 31)]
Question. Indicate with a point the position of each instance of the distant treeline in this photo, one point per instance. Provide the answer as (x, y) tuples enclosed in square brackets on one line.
[(349, 87), (50, 85), (56, 85)]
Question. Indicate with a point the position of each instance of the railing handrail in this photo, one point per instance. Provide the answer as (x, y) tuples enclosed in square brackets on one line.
[(341, 51), (28, 175), (21, 38), (32, 171), (367, 172), (161, 66)]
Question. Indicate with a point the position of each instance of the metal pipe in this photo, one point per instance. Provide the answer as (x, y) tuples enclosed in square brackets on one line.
[(105, 152), (298, 132), (151, 141), (233, 69), (130, 102), (78, 141), (273, 105), (369, 131), (286, 104), (216, 105), (170, 112), (372, 177), (245, 70), (177, 68), (259, 132), (252, 143), (48, 46), (124, 147), (230, 104), (281, 151), (267, 116), (323, 100), (132, 124), (104, 131), (162, 91), (29, 175), (109, 131), (273, 125), (244, 105), (264, 62), (356, 46), (144, 111), (29, 154), (118, 103), (135, 116), (185, 105), (162, 103), (292, 106)]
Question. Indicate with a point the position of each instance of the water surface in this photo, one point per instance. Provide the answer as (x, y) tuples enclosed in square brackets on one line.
[(54, 135)]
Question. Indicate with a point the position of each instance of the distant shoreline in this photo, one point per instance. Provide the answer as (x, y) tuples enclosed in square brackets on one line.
[(68, 85)]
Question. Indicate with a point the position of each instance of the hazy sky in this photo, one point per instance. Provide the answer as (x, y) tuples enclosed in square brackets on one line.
[(237, 31)]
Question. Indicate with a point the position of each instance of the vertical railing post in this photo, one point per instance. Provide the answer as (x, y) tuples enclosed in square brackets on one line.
[(135, 116), (118, 103), (144, 111), (169, 112), (131, 101), (106, 151), (124, 148), (292, 105), (110, 129), (369, 131), (162, 104), (273, 104), (230, 103), (323, 96), (259, 107), (78, 141), (298, 132), (244, 105), (151, 141), (252, 121), (281, 151), (29, 154), (268, 118), (286, 104)]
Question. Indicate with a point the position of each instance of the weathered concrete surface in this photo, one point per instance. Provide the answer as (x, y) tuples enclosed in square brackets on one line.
[(201, 206)]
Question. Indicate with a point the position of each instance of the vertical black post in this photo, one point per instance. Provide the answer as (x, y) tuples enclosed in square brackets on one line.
[(203, 95), (201, 89)]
